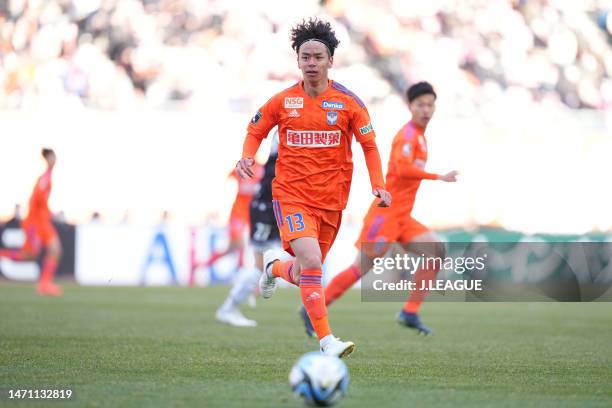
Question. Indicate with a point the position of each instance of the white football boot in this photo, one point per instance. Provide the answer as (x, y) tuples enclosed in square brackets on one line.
[(337, 348), (267, 282), (234, 317)]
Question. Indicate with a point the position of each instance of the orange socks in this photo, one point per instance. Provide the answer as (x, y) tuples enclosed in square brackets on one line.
[(313, 299), (341, 283), (412, 306), (313, 296), (283, 270), (48, 270), (418, 296), (321, 327)]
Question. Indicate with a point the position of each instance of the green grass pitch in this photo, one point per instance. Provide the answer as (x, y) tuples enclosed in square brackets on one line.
[(148, 347)]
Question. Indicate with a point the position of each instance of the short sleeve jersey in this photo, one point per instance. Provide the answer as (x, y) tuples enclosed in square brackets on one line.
[(314, 165)]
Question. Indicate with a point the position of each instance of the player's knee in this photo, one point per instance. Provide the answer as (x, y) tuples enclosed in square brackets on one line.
[(259, 261), (439, 250), (363, 265), (310, 261), (235, 244), (30, 255), (428, 245), (54, 250)]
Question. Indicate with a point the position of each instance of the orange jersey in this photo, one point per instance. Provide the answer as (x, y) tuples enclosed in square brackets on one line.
[(38, 211), (314, 165), (405, 171)]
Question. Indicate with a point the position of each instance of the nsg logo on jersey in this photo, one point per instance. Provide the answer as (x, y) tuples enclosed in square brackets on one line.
[(313, 138), (294, 102)]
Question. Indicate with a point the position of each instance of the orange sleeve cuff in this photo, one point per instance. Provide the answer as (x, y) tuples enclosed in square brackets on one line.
[(250, 146), (372, 159)]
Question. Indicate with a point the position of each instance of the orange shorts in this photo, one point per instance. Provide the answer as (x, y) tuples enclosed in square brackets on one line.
[(239, 218), (37, 234), (298, 221), (384, 229)]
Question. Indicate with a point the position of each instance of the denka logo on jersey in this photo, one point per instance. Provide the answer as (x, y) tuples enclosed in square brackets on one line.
[(313, 138), (332, 105), (294, 103)]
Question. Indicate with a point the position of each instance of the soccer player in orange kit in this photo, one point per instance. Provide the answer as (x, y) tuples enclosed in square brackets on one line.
[(383, 226), (239, 217), (39, 231), (316, 120)]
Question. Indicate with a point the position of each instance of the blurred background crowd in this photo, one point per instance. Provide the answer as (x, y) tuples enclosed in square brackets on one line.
[(131, 93), (113, 54)]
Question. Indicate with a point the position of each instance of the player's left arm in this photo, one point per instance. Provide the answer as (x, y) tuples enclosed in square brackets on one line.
[(373, 162), (364, 133)]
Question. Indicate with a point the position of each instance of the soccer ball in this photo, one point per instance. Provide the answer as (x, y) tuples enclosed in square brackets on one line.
[(320, 380)]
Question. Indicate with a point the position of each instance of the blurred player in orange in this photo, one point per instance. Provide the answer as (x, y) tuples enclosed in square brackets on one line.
[(39, 232), (384, 226), (239, 216), (316, 120)]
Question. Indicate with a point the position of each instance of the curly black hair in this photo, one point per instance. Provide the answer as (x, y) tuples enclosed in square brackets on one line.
[(314, 29)]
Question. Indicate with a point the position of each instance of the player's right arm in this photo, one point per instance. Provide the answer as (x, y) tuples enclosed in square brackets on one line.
[(264, 120), (403, 155)]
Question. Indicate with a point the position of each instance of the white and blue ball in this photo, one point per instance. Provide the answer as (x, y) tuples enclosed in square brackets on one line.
[(320, 380)]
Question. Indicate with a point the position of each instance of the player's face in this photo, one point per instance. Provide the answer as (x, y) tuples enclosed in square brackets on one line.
[(422, 109), (314, 61), (50, 159)]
